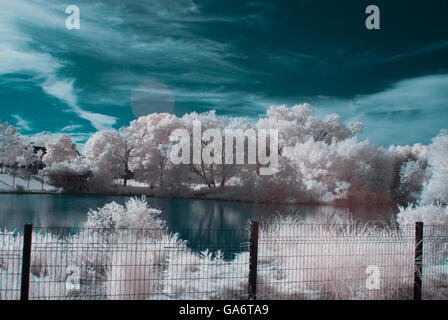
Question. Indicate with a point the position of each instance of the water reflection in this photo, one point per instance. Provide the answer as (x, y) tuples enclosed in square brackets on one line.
[(197, 221)]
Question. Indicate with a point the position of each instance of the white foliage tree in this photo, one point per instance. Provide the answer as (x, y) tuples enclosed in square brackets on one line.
[(345, 170), (111, 151), (320, 160), (216, 173), (412, 177), (436, 190), (11, 145), (60, 150), (27, 156), (150, 161), (297, 125)]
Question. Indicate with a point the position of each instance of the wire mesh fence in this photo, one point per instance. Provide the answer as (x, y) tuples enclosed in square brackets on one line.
[(11, 249), (134, 264), (435, 262), (21, 181), (47, 181), (335, 262), (292, 261)]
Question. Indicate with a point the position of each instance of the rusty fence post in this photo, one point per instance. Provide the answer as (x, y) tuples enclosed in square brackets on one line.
[(253, 260), (418, 261), (26, 261)]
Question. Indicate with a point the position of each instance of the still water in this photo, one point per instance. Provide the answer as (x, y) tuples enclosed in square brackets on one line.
[(192, 219)]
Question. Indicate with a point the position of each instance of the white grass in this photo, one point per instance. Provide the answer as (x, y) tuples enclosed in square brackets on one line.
[(297, 260), (301, 260)]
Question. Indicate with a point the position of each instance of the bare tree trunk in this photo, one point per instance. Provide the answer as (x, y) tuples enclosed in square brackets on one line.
[(161, 176)]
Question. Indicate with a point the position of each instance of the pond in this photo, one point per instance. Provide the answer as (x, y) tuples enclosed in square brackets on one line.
[(201, 222)]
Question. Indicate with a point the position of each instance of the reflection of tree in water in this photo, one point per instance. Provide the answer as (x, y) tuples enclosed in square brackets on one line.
[(219, 225), (58, 212), (204, 223), (215, 226)]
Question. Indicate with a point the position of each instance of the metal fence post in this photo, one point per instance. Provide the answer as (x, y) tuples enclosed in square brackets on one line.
[(418, 262), (253, 260), (26, 261)]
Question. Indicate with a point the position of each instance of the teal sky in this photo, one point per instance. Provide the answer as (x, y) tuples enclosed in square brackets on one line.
[(238, 57)]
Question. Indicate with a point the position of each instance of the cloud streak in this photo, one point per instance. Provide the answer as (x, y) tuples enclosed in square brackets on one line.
[(17, 55), (237, 58), (21, 123), (409, 111)]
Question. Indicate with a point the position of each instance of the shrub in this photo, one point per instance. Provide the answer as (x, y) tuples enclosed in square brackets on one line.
[(135, 214), (431, 214)]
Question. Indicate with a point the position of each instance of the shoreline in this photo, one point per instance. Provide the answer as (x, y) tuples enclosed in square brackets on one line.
[(196, 197)]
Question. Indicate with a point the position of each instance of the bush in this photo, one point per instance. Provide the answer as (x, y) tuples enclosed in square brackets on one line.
[(432, 214), (71, 176), (135, 214)]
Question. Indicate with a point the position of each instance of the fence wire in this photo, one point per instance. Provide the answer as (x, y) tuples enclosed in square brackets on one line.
[(11, 246), (435, 262), (335, 262), (294, 261), (136, 264)]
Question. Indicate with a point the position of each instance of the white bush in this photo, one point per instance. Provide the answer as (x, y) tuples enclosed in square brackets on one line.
[(436, 190), (135, 214), (432, 214)]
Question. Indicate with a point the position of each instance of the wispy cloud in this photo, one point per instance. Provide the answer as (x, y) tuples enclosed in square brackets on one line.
[(21, 123), (71, 128), (410, 110), (19, 54), (432, 47), (92, 72), (162, 37), (64, 90)]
